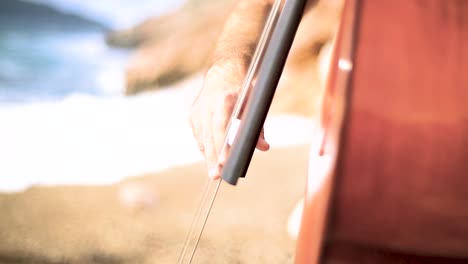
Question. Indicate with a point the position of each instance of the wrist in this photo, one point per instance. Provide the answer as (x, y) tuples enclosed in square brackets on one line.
[(231, 71)]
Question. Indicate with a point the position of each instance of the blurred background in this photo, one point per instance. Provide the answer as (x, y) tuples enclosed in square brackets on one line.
[(97, 161)]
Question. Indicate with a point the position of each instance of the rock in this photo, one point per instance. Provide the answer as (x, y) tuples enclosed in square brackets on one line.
[(173, 46), (160, 27)]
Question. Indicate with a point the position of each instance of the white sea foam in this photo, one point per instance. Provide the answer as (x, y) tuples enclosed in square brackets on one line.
[(96, 140)]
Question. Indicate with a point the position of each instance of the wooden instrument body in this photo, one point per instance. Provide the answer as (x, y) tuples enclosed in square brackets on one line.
[(394, 171)]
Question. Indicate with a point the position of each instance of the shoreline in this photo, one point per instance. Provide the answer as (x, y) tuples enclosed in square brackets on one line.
[(95, 140)]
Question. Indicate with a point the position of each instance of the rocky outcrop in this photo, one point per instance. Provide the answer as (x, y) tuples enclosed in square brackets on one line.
[(181, 20), (174, 46)]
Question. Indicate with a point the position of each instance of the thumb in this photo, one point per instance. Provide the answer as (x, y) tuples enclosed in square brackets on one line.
[(262, 144)]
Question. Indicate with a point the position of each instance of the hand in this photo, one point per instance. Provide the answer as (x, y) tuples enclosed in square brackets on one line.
[(210, 116)]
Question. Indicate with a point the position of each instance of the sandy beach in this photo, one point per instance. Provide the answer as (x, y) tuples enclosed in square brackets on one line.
[(144, 219)]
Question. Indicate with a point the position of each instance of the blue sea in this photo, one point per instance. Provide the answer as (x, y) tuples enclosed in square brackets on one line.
[(50, 54), (48, 66)]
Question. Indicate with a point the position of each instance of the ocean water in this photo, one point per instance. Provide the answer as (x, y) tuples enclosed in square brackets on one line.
[(46, 55), (64, 118), (58, 65), (113, 13)]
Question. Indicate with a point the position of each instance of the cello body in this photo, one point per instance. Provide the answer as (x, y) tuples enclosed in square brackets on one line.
[(388, 179)]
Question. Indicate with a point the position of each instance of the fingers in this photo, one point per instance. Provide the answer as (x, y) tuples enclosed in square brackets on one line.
[(209, 129), (220, 123), (209, 117), (207, 132), (262, 144), (204, 135), (218, 130), (211, 156)]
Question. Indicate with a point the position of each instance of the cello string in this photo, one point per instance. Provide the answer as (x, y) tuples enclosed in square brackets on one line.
[(189, 235), (212, 186), (205, 218)]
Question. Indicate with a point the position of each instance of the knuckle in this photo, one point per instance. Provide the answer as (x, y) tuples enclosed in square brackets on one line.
[(228, 101), (229, 97)]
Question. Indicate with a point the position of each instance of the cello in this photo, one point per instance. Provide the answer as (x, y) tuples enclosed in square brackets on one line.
[(388, 173)]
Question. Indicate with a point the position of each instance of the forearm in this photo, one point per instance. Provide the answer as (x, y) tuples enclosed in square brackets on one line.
[(239, 37)]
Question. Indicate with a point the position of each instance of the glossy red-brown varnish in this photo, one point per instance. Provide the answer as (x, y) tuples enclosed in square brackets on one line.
[(402, 178)]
